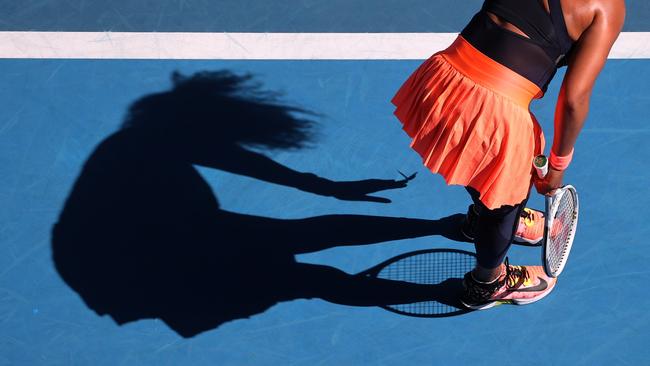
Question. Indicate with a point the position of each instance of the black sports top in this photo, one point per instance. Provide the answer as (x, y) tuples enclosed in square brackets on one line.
[(536, 58)]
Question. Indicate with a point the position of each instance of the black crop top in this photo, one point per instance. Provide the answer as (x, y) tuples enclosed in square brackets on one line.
[(536, 58)]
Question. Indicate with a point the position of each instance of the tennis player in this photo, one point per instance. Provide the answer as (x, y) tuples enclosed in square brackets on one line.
[(467, 110)]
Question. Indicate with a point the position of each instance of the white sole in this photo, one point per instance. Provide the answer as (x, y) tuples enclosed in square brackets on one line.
[(520, 240), (530, 301), (481, 307), (508, 301)]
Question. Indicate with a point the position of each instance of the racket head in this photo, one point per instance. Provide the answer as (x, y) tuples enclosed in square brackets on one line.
[(443, 267), (562, 209)]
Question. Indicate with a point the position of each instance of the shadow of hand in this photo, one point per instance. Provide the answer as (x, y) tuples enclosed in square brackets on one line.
[(359, 190)]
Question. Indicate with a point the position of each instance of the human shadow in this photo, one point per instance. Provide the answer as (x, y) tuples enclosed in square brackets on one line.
[(142, 234)]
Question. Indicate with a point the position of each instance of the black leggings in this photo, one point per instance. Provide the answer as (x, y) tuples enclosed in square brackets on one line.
[(494, 230)]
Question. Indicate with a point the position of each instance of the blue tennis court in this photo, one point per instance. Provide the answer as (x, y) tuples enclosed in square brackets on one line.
[(254, 307)]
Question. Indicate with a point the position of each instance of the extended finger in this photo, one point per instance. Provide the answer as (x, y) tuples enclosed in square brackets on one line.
[(410, 177)]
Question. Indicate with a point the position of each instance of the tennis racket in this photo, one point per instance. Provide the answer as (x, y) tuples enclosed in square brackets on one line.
[(561, 221), (444, 268)]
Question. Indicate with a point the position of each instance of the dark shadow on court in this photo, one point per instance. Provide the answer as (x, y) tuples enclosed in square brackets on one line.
[(142, 234)]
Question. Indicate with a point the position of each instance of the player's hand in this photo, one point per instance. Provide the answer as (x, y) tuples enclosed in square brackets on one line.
[(551, 181)]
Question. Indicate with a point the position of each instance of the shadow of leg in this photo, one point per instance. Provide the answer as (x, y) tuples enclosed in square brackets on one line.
[(331, 284), (323, 232)]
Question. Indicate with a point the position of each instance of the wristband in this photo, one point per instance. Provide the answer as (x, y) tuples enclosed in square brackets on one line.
[(560, 162)]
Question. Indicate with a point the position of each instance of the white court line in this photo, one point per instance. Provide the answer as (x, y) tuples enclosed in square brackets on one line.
[(252, 46)]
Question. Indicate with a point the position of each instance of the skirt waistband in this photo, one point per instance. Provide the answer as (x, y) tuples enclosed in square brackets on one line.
[(489, 73)]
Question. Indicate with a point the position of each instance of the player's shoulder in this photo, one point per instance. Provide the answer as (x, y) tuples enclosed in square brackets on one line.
[(609, 6), (609, 9), (611, 14), (592, 8), (584, 14)]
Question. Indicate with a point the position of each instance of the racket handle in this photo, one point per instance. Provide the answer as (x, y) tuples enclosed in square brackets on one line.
[(541, 165)]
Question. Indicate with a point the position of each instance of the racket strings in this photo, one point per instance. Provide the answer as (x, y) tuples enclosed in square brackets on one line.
[(562, 230), (428, 268)]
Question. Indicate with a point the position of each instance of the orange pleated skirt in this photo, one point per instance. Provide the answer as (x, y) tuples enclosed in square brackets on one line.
[(470, 121)]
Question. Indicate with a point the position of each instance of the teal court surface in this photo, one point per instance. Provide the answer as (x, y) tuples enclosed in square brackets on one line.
[(231, 243)]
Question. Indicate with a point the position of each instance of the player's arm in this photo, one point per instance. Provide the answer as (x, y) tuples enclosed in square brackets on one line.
[(586, 62)]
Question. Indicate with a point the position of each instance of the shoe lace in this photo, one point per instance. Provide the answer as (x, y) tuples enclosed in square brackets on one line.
[(515, 275)]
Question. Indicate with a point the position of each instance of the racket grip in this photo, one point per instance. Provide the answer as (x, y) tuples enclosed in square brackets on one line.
[(541, 165)]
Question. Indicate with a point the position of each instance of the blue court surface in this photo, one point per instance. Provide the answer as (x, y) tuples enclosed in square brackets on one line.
[(221, 223)]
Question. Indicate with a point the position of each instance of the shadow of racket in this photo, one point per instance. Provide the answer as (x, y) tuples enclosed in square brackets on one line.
[(443, 269)]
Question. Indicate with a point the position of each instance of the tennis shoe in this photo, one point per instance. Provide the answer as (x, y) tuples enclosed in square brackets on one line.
[(530, 229), (519, 285)]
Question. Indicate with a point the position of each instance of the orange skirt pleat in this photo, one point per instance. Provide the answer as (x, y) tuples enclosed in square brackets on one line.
[(475, 130)]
